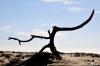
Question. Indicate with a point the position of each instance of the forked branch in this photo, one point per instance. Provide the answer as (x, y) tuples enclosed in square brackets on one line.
[(32, 37)]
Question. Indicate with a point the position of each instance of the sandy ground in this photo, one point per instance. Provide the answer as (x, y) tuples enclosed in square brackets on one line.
[(77, 59), (68, 59)]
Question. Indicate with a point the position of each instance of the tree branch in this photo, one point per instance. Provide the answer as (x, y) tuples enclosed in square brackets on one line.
[(32, 37), (49, 32), (42, 37), (9, 38), (77, 27)]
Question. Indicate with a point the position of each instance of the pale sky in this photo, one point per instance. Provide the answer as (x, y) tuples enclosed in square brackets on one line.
[(22, 18)]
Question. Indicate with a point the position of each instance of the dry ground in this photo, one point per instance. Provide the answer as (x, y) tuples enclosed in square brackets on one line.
[(68, 59)]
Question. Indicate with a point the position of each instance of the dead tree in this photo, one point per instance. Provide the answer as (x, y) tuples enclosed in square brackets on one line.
[(52, 35)]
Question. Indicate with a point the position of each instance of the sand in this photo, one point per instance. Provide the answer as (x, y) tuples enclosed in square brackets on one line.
[(68, 59)]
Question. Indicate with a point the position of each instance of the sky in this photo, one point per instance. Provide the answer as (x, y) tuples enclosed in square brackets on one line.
[(22, 18)]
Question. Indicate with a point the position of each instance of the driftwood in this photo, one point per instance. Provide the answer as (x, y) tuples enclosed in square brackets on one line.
[(52, 35)]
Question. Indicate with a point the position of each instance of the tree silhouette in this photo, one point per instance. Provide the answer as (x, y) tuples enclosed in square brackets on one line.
[(52, 35)]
